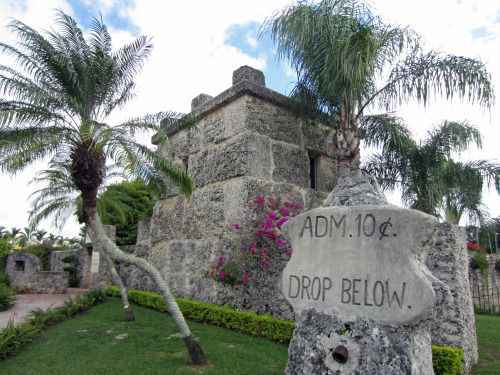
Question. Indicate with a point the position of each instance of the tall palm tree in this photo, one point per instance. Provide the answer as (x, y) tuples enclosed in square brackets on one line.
[(341, 52), (430, 180), (54, 108), (59, 198)]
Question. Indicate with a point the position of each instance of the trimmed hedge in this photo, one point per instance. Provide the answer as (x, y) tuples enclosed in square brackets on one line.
[(222, 316), (446, 361)]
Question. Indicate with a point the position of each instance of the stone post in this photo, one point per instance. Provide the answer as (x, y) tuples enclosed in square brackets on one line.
[(358, 285)]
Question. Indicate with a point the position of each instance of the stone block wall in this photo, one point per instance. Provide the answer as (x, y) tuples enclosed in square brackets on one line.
[(25, 272), (448, 261), (248, 144), (56, 263)]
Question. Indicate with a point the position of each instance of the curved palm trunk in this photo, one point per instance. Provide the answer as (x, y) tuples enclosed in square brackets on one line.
[(110, 249), (127, 307), (117, 280)]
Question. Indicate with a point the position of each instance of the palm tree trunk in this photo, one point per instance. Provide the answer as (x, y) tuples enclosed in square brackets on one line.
[(117, 280), (110, 249)]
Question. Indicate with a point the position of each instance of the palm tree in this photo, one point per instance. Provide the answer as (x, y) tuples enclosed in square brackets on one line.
[(430, 180), (13, 234), (59, 199), (55, 108), (40, 234), (341, 52)]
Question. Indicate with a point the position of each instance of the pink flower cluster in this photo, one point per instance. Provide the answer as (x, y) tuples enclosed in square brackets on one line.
[(255, 242)]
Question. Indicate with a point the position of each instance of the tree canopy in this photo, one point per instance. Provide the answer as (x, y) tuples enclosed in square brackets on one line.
[(348, 59), (135, 203), (429, 179), (54, 108)]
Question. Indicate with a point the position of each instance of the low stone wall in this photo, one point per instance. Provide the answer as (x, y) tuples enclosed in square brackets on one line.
[(25, 272), (490, 277), (56, 263)]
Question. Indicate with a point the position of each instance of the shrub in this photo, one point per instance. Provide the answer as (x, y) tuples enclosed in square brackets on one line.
[(7, 297), (447, 361), (42, 252), (254, 248), (69, 258), (4, 279), (73, 280), (13, 337), (5, 248), (479, 262)]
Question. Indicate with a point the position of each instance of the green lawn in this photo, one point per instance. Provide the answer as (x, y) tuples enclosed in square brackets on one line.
[(488, 337), (101, 342)]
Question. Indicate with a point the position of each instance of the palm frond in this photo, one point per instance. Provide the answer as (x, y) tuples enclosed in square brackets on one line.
[(421, 76)]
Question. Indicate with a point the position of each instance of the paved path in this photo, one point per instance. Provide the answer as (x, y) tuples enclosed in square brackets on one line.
[(27, 302)]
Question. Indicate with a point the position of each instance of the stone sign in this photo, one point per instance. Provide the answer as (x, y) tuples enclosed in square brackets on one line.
[(360, 261), (94, 264)]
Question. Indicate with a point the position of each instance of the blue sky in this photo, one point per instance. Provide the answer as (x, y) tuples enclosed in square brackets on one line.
[(198, 44)]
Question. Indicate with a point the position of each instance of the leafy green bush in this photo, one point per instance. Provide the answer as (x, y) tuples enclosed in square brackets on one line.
[(42, 252), (447, 361), (13, 337), (4, 279), (5, 248), (7, 297), (73, 280), (69, 259), (123, 205), (479, 262)]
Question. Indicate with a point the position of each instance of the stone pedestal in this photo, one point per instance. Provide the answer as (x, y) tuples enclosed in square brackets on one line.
[(357, 282)]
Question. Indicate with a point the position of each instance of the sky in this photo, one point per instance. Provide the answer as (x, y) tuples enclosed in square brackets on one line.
[(199, 43)]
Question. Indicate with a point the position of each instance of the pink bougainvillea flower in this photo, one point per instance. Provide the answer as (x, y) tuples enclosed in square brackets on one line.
[(221, 259), (271, 235), (263, 262), (289, 254), (285, 212), (222, 274), (252, 247), (245, 280), (260, 200), (281, 222), (212, 273), (265, 251), (266, 282), (268, 224), (271, 217), (236, 226), (217, 267), (280, 243)]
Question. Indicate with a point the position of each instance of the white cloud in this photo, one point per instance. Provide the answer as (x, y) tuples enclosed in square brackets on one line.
[(190, 56)]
